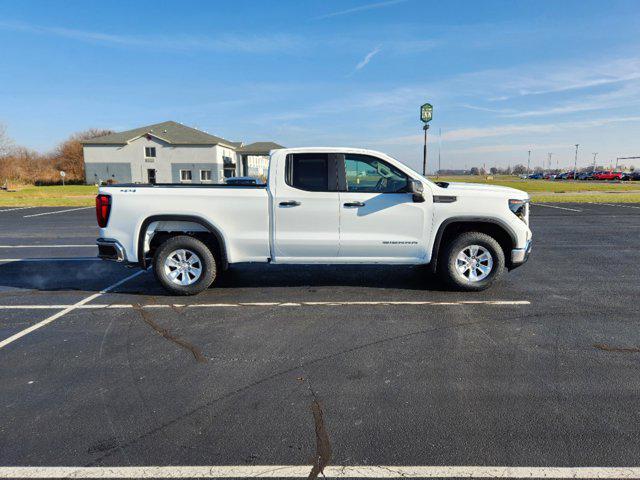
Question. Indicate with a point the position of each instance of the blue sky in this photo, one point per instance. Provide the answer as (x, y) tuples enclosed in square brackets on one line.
[(504, 76)]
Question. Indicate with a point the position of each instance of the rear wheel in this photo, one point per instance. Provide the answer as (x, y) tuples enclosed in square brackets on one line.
[(472, 261), (184, 265)]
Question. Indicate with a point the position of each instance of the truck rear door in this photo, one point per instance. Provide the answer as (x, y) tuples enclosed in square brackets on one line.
[(306, 210)]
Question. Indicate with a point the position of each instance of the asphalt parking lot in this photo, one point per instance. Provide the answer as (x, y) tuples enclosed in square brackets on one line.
[(295, 366)]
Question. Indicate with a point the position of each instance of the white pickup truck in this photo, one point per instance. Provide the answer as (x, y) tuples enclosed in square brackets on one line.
[(320, 205)]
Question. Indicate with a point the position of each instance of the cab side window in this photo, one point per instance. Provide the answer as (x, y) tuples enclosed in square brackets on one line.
[(369, 174), (308, 171)]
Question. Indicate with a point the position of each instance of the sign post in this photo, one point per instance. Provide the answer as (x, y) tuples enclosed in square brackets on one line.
[(426, 114), (63, 174)]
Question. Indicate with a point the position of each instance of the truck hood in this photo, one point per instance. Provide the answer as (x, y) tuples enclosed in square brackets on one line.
[(461, 187)]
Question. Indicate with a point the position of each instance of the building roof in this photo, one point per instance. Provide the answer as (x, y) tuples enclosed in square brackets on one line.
[(173, 133), (258, 148)]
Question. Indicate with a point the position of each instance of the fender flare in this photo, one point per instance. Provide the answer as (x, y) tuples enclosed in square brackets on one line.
[(435, 250), (179, 218)]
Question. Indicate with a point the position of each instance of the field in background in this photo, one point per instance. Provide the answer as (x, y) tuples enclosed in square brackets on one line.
[(560, 190), (52, 196), (540, 190)]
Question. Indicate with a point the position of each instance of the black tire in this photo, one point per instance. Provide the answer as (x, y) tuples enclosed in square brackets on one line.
[(448, 264), (206, 259)]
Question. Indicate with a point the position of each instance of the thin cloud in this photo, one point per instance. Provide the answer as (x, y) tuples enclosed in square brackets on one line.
[(501, 148), (361, 8), (232, 43), (554, 78), (506, 130), (465, 134), (363, 63)]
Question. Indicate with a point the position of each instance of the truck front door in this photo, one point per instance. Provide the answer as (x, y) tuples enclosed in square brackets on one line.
[(378, 219), (306, 209)]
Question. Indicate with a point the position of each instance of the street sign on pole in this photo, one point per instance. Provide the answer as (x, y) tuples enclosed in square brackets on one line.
[(426, 114), (63, 174)]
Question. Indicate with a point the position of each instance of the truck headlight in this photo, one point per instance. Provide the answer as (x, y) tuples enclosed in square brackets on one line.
[(519, 208)]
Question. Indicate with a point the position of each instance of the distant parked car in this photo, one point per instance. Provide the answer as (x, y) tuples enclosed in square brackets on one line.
[(536, 176), (635, 175), (242, 181), (565, 176), (585, 176), (608, 175)]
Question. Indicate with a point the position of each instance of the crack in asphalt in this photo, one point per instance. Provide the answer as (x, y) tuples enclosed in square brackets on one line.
[(323, 445), (262, 380), (197, 353), (607, 348)]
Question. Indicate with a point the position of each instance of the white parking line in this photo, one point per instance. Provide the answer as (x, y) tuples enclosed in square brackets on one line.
[(48, 246), (302, 471), (51, 259), (57, 211), (66, 310), (13, 209), (616, 205), (112, 306), (555, 206)]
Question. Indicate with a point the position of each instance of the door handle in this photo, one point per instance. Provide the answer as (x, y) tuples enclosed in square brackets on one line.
[(290, 203), (354, 204)]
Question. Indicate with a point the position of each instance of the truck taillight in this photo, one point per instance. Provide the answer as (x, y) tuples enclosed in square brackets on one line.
[(103, 208)]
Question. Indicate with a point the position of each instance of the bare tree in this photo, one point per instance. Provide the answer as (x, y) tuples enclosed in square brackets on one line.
[(68, 156)]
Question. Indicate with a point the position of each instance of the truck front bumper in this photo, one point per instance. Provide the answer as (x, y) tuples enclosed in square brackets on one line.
[(110, 250), (520, 255)]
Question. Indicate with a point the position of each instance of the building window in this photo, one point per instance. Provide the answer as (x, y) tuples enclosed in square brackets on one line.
[(185, 175), (149, 154), (205, 175), (229, 167)]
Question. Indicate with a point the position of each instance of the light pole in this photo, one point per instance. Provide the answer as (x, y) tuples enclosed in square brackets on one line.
[(439, 149), (625, 158), (550, 161), (575, 163), (528, 162), (424, 150), (595, 154), (426, 114)]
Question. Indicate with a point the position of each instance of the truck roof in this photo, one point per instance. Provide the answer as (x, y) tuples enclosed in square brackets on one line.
[(362, 151)]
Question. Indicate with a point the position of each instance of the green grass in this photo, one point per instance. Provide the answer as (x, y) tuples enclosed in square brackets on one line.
[(587, 198), (53, 196), (559, 186), (560, 190)]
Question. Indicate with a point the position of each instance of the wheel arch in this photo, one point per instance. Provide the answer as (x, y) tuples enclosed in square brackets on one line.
[(453, 226), (218, 244)]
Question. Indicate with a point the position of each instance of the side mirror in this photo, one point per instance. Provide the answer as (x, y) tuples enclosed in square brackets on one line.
[(417, 189)]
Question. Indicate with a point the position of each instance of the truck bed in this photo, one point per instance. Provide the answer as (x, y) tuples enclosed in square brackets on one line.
[(239, 212), (182, 185)]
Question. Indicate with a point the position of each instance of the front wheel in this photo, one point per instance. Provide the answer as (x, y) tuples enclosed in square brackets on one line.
[(472, 262), (184, 265)]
